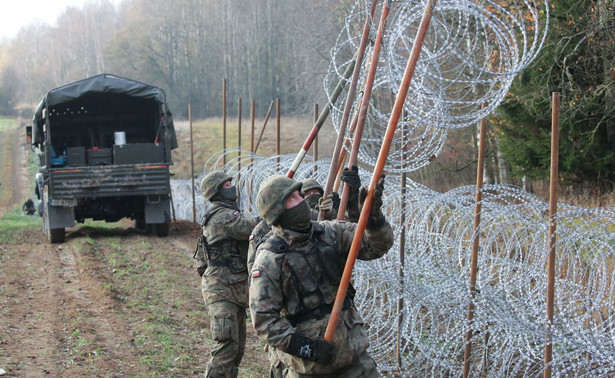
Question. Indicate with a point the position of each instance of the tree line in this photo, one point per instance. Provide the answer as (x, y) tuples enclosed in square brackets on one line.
[(269, 49), (266, 49)]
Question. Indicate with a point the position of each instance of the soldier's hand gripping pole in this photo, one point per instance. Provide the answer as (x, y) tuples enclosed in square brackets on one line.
[(379, 168)]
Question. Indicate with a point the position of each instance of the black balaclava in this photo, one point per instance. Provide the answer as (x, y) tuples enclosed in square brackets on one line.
[(297, 218), (312, 200), (228, 194)]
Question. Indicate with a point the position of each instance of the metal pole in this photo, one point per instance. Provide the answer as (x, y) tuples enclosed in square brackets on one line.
[(192, 163), (475, 244), (555, 105), (379, 168), (224, 121), (364, 106)]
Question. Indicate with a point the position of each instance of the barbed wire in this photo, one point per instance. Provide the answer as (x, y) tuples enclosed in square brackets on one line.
[(470, 56), (429, 279), (415, 299)]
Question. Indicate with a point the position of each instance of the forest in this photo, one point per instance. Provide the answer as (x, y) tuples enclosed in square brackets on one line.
[(270, 49)]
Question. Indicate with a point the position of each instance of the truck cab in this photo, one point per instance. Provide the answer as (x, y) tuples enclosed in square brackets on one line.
[(104, 145)]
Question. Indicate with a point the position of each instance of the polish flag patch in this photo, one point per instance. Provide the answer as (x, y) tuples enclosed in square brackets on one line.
[(256, 273)]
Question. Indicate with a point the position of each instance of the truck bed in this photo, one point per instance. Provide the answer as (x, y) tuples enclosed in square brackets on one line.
[(109, 181)]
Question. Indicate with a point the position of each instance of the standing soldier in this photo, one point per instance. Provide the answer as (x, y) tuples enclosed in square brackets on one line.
[(224, 247), (294, 283), (312, 192)]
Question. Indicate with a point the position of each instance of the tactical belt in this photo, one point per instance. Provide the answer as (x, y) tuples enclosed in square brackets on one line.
[(318, 313)]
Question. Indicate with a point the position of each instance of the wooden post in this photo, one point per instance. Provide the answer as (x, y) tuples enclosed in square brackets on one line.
[(192, 163), (555, 104), (277, 134), (224, 121), (402, 257), (475, 244), (379, 168), (238, 144), (315, 153), (252, 120)]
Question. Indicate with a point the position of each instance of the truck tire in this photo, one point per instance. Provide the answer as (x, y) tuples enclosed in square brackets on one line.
[(161, 229), (140, 223), (57, 235)]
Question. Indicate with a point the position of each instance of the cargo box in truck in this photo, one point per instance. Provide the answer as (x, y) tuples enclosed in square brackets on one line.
[(104, 145)]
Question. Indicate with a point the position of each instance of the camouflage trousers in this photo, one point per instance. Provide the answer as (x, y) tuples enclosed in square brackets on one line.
[(365, 367), (228, 330)]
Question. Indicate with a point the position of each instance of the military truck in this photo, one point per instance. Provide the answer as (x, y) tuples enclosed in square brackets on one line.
[(104, 145)]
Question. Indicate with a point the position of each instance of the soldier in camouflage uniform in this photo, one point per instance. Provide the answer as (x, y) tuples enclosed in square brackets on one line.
[(312, 193), (294, 282), (224, 285)]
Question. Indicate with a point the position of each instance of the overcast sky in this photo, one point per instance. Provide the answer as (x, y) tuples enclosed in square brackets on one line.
[(18, 13)]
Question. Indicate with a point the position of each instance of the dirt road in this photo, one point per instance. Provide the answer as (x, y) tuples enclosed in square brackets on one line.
[(110, 301)]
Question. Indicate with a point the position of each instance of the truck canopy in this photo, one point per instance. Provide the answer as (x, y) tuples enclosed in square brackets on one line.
[(101, 105)]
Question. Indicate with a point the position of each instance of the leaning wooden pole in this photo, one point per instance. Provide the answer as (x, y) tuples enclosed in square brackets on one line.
[(320, 121), (356, 142), (351, 96), (379, 168), (475, 243), (555, 104), (264, 126), (192, 163)]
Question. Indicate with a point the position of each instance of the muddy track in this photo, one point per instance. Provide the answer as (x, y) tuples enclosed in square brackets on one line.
[(110, 301)]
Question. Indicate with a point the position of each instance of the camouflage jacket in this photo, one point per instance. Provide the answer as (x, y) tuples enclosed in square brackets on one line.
[(286, 284), (227, 233)]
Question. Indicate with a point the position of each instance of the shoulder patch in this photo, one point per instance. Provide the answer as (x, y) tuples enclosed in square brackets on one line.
[(236, 213), (251, 238), (256, 273)]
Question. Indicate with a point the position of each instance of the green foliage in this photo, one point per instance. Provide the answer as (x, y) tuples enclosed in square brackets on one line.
[(576, 61)]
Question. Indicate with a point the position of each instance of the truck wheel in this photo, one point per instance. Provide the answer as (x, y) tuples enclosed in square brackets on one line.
[(161, 229), (57, 235), (140, 223)]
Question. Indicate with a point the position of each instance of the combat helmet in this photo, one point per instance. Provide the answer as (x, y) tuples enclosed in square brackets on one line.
[(212, 183), (309, 184), (271, 195)]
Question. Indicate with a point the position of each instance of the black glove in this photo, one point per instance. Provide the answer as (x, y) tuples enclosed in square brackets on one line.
[(336, 200), (310, 349), (351, 177), (376, 218)]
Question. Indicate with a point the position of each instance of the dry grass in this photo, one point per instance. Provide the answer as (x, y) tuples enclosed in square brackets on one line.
[(207, 139)]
